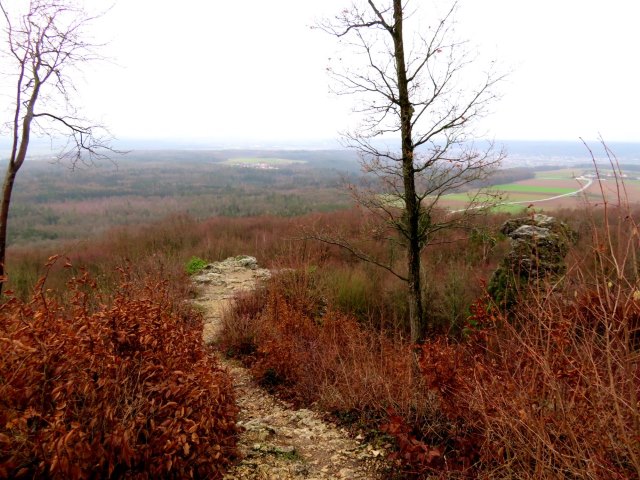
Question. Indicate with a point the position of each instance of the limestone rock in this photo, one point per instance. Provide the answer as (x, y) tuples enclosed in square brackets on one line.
[(220, 281), (539, 245)]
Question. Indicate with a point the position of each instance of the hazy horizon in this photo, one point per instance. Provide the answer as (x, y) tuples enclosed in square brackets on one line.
[(519, 152), (255, 72)]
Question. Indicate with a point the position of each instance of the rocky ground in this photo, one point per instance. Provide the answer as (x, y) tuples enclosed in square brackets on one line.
[(277, 441)]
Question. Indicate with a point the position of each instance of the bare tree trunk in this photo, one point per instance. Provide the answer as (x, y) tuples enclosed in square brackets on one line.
[(18, 156), (415, 293), (43, 42), (412, 205), (416, 93), (7, 188)]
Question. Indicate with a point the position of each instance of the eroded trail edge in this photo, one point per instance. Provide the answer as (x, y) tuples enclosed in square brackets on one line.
[(277, 441)]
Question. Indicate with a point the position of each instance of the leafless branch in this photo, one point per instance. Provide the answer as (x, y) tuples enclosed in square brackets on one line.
[(45, 40), (420, 91), (359, 254)]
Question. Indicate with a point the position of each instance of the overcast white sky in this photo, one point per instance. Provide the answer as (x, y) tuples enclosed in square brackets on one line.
[(252, 69)]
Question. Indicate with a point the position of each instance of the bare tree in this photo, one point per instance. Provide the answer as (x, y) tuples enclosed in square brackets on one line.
[(45, 42), (418, 89)]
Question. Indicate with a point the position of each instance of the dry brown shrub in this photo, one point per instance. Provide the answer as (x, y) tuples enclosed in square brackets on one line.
[(117, 390), (559, 385), (314, 355), (554, 397), (238, 335)]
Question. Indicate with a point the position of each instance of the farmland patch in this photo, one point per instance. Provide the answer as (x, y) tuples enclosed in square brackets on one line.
[(256, 162)]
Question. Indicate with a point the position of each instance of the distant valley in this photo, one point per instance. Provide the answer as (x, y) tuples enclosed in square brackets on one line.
[(53, 202)]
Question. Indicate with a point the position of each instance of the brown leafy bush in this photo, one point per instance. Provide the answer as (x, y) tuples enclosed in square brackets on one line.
[(124, 390), (415, 457)]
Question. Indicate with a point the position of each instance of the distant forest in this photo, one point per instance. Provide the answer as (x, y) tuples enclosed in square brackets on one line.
[(54, 202)]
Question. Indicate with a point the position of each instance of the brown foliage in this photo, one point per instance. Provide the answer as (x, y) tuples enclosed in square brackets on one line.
[(415, 456), (124, 390), (550, 390), (313, 354), (552, 393)]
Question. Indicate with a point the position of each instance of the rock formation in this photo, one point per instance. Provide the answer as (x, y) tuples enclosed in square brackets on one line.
[(539, 245), (221, 281)]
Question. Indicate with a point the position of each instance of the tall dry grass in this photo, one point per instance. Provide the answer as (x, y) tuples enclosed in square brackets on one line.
[(314, 355), (551, 389), (570, 372)]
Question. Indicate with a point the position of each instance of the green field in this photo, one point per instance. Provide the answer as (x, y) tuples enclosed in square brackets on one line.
[(513, 192), (509, 208), (468, 196), (274, 162), (564, 174), (515, 187)]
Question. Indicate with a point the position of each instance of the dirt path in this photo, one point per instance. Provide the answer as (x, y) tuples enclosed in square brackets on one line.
[(278, 442)]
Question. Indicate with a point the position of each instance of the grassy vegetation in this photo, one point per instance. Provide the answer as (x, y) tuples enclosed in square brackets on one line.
[(563, 174), (510, 208), (519, 192), (513, 192), (543, 189)]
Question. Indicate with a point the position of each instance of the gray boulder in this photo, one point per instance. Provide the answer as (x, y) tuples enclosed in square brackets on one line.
[(539, 245), (215, 273)]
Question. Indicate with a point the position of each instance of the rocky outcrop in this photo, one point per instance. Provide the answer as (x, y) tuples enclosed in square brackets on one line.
[(539, 245), (220, 272), (219, 282)]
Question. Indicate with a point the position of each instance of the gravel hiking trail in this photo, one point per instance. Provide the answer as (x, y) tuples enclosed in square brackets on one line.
[(276, 440)]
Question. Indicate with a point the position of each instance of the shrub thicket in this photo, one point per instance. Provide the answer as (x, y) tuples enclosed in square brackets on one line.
[(117, 390)]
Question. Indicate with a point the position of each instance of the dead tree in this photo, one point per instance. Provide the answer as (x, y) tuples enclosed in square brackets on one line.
[(45, 43), (416, 86)]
